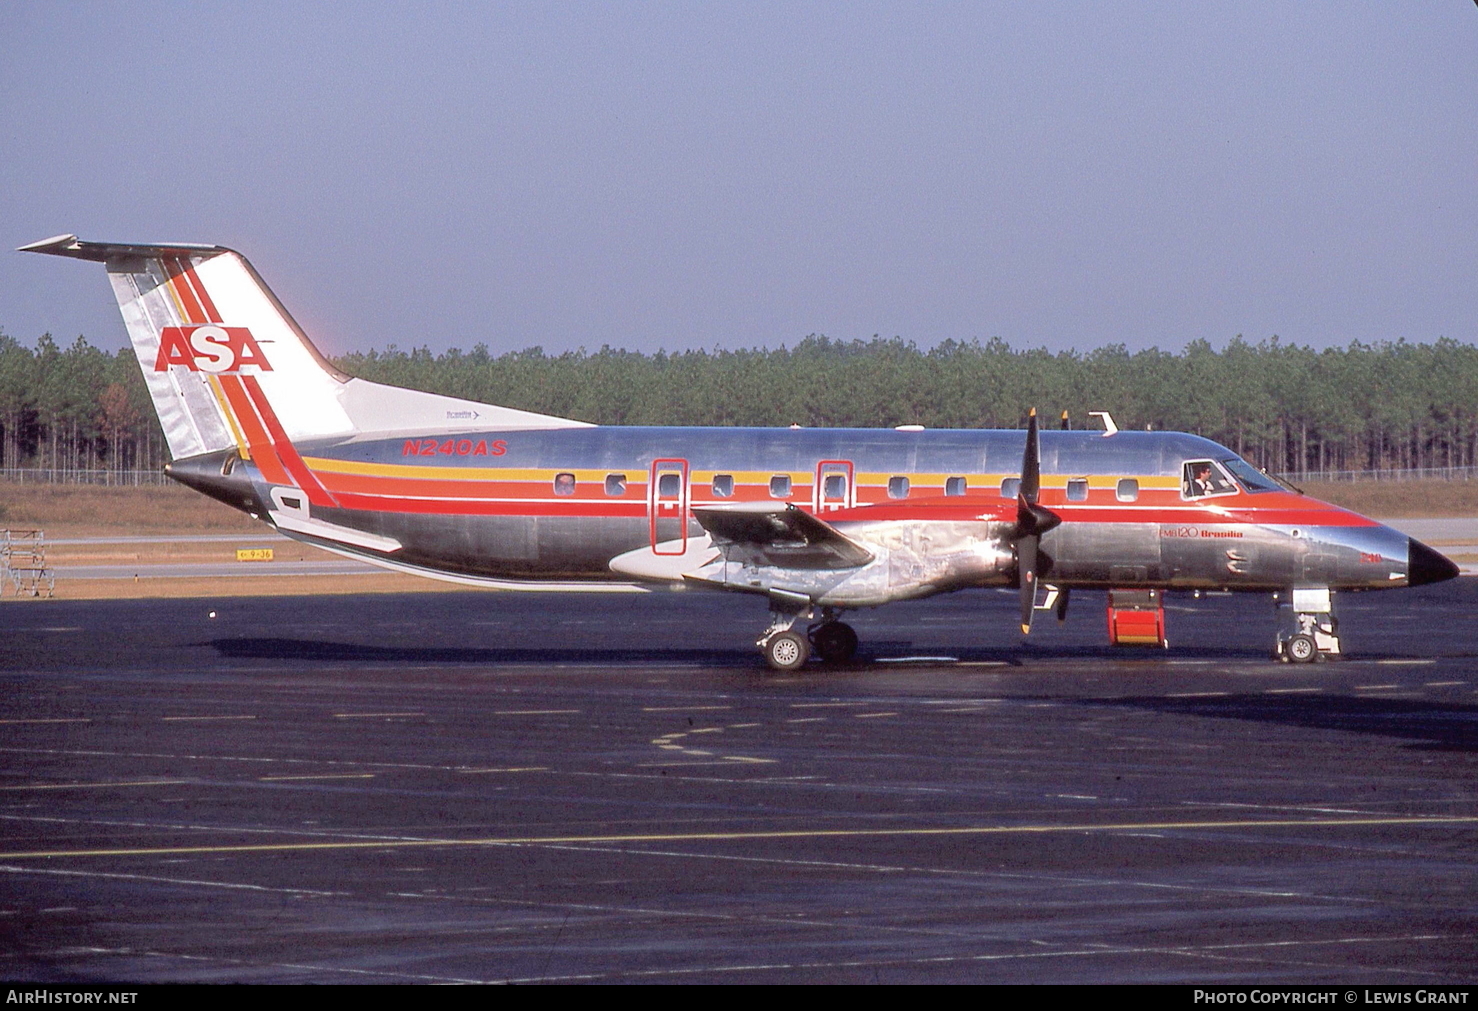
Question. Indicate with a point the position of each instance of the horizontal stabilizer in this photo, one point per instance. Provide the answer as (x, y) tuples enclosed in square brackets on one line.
[(781, 535)]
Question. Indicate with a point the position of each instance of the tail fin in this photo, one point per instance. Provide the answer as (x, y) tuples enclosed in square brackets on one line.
[(227, 366)]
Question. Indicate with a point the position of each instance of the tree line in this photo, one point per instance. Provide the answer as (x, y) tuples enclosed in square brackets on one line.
[(1288, 408)]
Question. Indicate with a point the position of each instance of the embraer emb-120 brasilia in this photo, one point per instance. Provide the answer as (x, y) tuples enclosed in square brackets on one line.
[(816, 521)]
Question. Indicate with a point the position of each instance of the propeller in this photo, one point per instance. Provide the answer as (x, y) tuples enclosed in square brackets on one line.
[(1032, 521)]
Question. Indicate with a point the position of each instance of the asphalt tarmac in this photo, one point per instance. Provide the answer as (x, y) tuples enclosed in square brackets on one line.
[(481, 787)]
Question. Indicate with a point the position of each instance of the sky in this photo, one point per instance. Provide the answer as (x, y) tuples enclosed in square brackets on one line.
[(700, 175)]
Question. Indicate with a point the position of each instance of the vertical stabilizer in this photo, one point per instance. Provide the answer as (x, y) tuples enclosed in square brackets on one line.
[(227, 366)]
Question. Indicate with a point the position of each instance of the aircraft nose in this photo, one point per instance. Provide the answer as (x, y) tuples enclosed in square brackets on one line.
[(1424, 565)]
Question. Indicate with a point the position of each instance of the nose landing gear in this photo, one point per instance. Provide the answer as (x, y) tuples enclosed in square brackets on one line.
[(1314, 634)]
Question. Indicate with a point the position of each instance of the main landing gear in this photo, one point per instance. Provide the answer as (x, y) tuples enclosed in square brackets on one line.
[(785, 649), (1314, 631)]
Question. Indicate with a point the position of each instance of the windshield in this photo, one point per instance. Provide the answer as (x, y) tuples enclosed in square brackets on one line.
[(1250, 478)]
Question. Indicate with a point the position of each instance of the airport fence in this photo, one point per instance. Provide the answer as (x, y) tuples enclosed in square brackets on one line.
[(56, 475), (1399, 474)]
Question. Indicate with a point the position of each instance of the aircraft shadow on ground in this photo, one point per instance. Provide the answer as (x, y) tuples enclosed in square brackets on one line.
[(1431, 726), (306, 649)]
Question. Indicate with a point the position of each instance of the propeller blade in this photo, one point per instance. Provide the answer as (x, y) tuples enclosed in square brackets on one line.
[(1062, 604), (1026, 567), (1031, 462)]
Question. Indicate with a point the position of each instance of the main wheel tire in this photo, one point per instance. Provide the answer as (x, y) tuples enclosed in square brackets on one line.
[(787, 651), (835, 642), (1301, 649)]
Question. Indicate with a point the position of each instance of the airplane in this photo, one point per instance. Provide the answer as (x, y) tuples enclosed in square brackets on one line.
[(817, 521)]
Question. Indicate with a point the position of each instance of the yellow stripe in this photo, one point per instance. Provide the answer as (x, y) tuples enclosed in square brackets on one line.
[(671, 837), (241, 447)]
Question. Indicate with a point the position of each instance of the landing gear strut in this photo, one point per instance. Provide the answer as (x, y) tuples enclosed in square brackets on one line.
[(1315, 630)]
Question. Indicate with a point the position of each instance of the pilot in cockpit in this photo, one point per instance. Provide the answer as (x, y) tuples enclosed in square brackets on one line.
[(1202, 479)]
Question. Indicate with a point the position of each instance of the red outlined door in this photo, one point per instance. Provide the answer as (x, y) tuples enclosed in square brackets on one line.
[(834, 486), (667, 506)]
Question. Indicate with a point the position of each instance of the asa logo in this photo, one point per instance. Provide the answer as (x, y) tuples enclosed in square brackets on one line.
[(210, 348)]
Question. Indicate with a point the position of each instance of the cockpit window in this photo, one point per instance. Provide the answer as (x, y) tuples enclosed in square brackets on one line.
[(1249, 477), (1204, 479)]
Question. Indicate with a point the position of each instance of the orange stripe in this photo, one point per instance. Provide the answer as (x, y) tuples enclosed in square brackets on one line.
[(284, 447), (256, 436)]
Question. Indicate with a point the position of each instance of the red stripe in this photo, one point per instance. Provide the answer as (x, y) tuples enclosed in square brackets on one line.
[(492, 507), (256, 436), (285, 451), (176, 269), (205, 300)]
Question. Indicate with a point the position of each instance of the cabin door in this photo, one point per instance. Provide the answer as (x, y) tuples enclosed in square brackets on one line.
[(834, 488), (667, 506)]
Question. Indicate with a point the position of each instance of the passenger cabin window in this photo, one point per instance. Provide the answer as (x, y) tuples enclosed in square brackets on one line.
[(954, 486), (834, 487), (670, 485), (1077, 489), (615, 484), (1128, 489), (1204, 479), (723, 486), (898, 487), (780, 486), (1010, 487), (564, 484)]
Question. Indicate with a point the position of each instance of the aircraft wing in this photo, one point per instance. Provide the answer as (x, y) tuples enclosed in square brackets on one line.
[(781, 535)]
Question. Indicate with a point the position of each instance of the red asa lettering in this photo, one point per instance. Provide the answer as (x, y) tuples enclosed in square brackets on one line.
[(428, 447), (482, 448), (411, 448), (209, 348), (500, 447), (464, 447), (448, 448)]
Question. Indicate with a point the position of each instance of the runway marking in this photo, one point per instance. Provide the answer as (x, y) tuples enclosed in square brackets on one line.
[(522, 768), (1404, 663), (745, 758), (741, 726), (1290, 691), (707, 730), (809, 719), (92, 786), (870, 716), (1195, 695), (836, 833), (1372, 688), (179, 719), (826, 705), (984, 663), (334, 775), (78, 720), (681, 709), (367, 716), (533, 712), (917, 659), (1442, 684), (972, 709), (168, 881)]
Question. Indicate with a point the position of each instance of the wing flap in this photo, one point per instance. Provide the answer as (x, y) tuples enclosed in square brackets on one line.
[(781, 535)]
